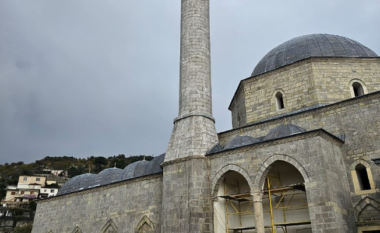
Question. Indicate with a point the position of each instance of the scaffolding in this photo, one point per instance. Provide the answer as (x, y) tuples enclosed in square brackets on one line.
[(286, 199), (281, 198), (241, 204)]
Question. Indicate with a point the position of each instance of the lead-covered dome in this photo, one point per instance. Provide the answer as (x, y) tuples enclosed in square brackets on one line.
[(240, 141), (282, 130), (107, 176), (314, 45), (112, 175), (77, 183)]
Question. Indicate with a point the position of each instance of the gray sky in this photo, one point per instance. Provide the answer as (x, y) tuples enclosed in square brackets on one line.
[(95, 77)]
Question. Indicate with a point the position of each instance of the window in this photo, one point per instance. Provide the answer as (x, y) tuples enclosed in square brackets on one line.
[(38, 179), (279, 101), (45, 190), (13, 193), (25, 178), (31, 192), (362, 175), (358, 89), (22, 192), (52, 190)]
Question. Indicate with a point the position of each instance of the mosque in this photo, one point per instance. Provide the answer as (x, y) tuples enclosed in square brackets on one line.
[(302, 156)]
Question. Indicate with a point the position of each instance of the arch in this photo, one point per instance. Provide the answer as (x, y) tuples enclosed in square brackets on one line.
[(144, 223), (109, 227), (77, 230), (357, 88), (267, 165), (357, 162), (356, 168), (278, 100), (222, 172)]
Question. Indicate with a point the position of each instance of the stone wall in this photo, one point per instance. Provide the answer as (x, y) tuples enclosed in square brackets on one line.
[(295, 82), (357, 119), (122, 206), (304, 84), (319, 159), (237, 108), (186, 203), (332, 77)]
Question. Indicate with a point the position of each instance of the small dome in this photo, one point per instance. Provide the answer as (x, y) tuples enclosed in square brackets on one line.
[(107, 176), (111, 175), (86, 180), (77, 183), (154, 166), (283, 131), (215, 149), (314, 45), (133, 170), (239, 141)]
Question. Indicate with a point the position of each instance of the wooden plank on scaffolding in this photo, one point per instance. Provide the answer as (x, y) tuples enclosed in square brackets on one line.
[(292, 223), (286, 188)]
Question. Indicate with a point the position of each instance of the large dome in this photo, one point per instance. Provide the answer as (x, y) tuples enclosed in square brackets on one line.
[(314, 45)]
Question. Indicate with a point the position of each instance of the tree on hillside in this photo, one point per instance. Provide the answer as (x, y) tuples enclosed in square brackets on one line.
[(75, 171), (99, 161)]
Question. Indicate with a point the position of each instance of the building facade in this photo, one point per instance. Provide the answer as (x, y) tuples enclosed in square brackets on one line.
[(301, 157)]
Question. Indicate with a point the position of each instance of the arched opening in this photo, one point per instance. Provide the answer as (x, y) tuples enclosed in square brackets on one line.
[(279, 101), (358, 89), (362, 175), (284, 200), (233, 206)]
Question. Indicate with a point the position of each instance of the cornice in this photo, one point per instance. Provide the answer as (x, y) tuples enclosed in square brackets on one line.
[(180, 160)]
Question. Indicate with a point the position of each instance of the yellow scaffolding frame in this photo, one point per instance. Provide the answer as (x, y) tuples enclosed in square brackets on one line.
[(287, 196), (291, 191), (235, 201)]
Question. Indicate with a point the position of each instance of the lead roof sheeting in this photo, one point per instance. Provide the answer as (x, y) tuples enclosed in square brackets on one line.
[(282, 130), (314, 45), (239, 141)]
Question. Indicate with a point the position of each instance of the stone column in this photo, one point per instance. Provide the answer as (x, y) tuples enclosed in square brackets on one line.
[(194, 129), (258, 209)]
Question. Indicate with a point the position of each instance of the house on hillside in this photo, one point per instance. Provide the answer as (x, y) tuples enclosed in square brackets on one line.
[(29, 188)]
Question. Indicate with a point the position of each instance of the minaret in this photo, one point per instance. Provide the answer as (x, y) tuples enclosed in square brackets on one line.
[(186, 196), (194, 128)]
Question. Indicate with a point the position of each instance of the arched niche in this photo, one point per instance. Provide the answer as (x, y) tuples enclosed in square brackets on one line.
[(109, 227), (145, 226), (77, 230), (232, 200)]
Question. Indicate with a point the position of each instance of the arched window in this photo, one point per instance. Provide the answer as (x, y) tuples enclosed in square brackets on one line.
[(362, 177), (361, 172), (358, 89), (279, 101)]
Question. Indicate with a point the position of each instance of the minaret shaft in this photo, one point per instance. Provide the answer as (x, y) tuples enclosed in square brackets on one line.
[(194, 129), (195, 65)]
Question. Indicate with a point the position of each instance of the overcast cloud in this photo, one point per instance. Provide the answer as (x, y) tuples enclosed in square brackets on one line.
[(95, 77)]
